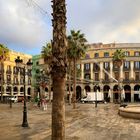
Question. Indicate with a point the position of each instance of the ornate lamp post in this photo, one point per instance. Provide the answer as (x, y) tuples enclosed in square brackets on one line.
[(19, 64)]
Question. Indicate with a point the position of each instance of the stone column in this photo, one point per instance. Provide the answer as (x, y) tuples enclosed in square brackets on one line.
[(132, 93), (111, 69), (82, 71), (91, 70), (18, 90), (131, 69), (12, 93), (111, 91), (121, 72)]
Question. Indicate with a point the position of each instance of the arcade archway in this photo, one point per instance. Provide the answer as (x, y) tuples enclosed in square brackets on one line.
[(127, 90)]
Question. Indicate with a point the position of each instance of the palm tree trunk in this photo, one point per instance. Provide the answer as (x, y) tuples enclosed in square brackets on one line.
[(58, 109), (74, 85), (2, 80), (59, 61), (50, 89), (69, 74)]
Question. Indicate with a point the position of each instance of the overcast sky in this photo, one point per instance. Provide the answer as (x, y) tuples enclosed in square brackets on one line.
[(26, 28)]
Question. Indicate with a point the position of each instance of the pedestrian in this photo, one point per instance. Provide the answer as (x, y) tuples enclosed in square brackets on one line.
[(22, 99), (44, 104)]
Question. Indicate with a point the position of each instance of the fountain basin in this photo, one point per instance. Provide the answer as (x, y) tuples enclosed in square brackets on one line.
[(130, 111)]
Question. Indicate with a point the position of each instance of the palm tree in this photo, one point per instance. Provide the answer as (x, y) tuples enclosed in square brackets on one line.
[(58, 65), (77, 48), (47, 55), (69, 71), (4, 51), (118, 57)]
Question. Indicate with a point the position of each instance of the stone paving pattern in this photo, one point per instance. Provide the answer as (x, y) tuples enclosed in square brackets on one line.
[(83, 123)]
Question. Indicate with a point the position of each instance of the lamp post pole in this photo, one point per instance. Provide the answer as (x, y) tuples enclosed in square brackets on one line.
[(96, 98), (29, 63), (25, 122), (11, 97), (96, 95)]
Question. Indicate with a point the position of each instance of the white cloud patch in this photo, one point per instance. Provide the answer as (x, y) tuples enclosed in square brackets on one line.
[(106, 20), (22, 24)]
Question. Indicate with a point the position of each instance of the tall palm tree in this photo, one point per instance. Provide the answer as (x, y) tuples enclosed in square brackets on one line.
[(4, 51), (118, 58), (58, 72), (47, 55), (77, 48)]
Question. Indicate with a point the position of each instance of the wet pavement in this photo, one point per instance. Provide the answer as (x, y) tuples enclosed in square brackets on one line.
[(83, 123)]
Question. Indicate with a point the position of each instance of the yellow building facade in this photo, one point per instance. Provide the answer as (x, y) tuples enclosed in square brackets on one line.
[(98, 71), (12, 79)]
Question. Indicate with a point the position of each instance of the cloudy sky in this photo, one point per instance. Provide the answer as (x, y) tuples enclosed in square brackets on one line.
[(25, 27)]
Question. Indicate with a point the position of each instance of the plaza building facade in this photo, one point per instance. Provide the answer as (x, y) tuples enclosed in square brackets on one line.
[(99, 72), (12, 78)]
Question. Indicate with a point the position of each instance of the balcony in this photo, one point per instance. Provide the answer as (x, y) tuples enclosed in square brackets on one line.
[(8, 72), (126, 81), (96, 69), (106, 81), (107, 68), (8, 81), (15, 72), (29, 74), (116, 69), (16, 83), (87, 70), (126, 69), (136, 68), (137, 81)]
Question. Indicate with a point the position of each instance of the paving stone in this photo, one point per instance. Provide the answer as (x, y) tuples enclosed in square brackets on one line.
[(83, 123)]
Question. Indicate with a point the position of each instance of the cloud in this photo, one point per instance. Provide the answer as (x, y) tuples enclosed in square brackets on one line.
[(22, 24), (106, 20)]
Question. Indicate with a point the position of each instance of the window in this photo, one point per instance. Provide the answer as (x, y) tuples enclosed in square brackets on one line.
[(96, 67), (116, 75), (106, 77), (37, 63), (136, 53), (106, 65), (15, 80), (96, 76), (29, 81), (126, 75), (137, 75), (0, 67), (87, 66), (106, 54), (87, 56), (21, 80), (137, 64), (126, 64), (0, 78), (126, 53), (87, 76), (8, 68), (96, 55), (78, 66), (8, 78)]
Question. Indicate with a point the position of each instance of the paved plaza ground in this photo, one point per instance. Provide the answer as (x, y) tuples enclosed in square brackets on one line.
[(83, 123)]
